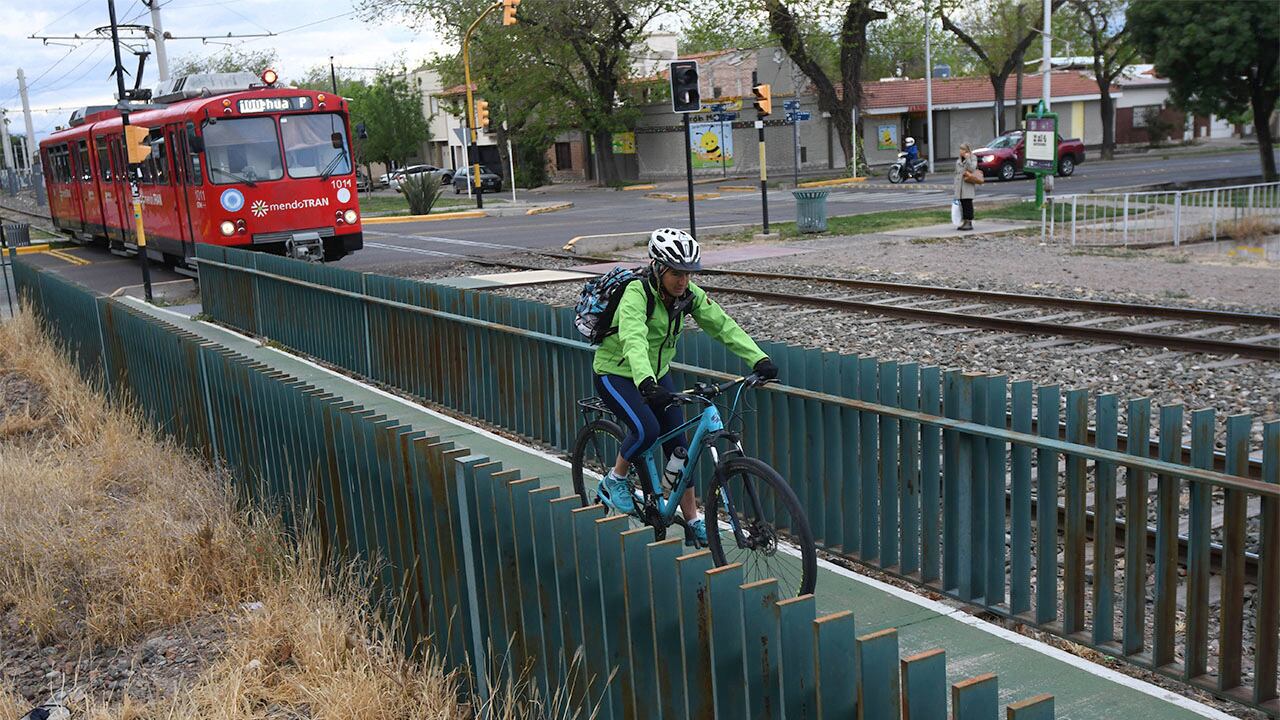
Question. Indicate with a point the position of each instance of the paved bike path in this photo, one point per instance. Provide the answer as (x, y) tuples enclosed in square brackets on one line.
[(1025, 667)]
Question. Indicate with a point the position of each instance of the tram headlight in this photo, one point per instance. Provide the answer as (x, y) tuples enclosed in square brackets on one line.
[(350, 217), (228, 228)]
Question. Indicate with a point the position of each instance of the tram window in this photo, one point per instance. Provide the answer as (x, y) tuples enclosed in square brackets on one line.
[(309, 145), (158, 161), (82, 161), (104, 159), (242, 149)]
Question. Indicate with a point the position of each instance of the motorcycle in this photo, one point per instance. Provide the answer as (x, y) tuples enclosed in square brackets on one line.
[(900, 172)]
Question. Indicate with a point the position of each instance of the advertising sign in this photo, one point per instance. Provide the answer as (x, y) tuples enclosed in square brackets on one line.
[(710, 146), (886, 137), (624, 143), (1042, 144)]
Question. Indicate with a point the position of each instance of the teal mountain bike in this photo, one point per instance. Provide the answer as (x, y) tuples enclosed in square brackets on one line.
[(757, 520)]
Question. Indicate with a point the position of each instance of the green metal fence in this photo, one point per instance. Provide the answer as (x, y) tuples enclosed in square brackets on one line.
[(504, 577), (1000, 494)]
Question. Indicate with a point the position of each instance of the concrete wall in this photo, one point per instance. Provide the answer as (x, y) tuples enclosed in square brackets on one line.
[(660, 144), (975, 127)]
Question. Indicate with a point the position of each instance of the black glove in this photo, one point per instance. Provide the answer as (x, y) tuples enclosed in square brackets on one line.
[(766, 370), (654, 394)]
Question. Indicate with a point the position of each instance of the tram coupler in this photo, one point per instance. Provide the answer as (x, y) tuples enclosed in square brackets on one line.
[(305, 246)]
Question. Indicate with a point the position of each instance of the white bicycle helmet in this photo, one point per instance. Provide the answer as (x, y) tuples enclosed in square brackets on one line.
[(675, 249), (910, 141)]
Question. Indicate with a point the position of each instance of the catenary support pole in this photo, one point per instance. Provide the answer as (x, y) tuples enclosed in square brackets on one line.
[(133, 168), (162, 56), (4, 139), (1046, 64), (928, 81), (30, 147), (333, 76)]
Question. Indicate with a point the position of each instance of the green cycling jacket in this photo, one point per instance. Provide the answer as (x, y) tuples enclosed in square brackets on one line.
[(641, 349)]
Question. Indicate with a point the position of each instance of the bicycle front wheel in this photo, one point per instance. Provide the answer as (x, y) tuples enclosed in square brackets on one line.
[(751, 501), (594, 453)]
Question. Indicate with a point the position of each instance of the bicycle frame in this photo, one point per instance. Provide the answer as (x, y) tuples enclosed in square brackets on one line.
[(708, 427)]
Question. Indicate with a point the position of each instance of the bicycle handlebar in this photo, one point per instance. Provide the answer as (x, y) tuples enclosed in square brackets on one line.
[(702, 392)]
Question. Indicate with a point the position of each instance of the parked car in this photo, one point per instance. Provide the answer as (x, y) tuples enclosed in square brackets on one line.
[(1004, 156), (489, 181), (398, 176), (363, 183)]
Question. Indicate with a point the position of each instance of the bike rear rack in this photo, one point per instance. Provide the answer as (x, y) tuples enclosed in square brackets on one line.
[(594, 405)]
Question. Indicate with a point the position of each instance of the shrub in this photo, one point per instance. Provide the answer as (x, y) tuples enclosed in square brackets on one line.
[(422, 190)]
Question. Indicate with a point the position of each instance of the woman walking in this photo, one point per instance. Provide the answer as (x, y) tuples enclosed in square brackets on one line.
[(967, 178)]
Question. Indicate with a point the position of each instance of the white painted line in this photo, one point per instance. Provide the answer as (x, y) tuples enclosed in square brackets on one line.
[(1063, 656)]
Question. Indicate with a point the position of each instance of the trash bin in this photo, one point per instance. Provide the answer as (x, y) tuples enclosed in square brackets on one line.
[(811, 210), (17, 234)]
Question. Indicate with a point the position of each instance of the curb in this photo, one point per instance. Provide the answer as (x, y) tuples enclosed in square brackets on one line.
[(610, 242), (29, 249), (737, 188), (672, 197), (831, 183), (649, 186), (424, 218), (548, 208)]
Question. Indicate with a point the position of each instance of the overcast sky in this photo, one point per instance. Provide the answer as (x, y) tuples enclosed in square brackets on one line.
[(62, 77)]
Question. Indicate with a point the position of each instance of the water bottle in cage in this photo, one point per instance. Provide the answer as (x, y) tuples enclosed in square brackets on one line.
[(675, 467)]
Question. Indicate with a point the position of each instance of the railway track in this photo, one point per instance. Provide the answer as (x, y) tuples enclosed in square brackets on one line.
[(1074, 319)]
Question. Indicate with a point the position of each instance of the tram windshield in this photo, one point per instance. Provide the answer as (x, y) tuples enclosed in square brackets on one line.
[(243, 150), (309, 145)]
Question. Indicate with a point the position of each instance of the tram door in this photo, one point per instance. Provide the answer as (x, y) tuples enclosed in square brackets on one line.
[(184, 186), (121, 197)]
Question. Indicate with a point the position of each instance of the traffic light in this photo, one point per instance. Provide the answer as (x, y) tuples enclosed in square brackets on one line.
[(764, 99), (135, 143), (482, 113), (686, 96), (509, 12)]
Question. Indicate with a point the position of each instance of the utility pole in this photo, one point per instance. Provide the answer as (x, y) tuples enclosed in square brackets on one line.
[(333, 76), (1046, 62), (26, 118), (4, 138), (928, 81), (767, 99), (129, 142), (162, 57)]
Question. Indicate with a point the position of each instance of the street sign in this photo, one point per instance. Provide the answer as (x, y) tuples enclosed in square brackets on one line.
[(791, 105), (794, 117), (723, 116), (717, 107), (1042, 146)]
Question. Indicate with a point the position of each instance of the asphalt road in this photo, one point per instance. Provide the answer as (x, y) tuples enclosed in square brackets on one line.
[(606, 212), (596, 211)]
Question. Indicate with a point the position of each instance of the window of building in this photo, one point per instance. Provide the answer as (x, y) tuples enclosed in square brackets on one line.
[(1141, 113), (435, 105), (564, 157)]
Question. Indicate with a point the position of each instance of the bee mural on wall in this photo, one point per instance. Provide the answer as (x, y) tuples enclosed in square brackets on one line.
[(710, 144)]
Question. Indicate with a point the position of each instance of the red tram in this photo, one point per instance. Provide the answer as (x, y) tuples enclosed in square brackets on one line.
[(234, 161)]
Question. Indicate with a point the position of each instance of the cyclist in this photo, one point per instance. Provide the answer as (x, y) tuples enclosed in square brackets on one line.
[(631, 363)]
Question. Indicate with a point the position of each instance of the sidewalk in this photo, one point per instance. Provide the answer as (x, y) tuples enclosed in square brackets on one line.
[(1025, 667)]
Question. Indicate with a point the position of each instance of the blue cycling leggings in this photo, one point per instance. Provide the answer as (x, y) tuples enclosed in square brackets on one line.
[(644, 426)]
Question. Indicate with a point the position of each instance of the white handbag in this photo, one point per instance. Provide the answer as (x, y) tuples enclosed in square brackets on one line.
[(956, 213)]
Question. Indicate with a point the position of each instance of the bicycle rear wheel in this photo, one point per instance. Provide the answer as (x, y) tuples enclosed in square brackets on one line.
[(595, 451), (750, 501)]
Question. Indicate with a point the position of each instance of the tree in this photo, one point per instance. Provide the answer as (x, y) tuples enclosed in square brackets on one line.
[(391, 110), (895, 47), (230, 59), (997, 36), (1220, 58), (854, 16), (1103, 23), (579, 52)]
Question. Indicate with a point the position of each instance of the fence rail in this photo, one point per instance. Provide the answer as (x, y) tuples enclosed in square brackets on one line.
[(1146, 219), (956, 481), (503, 576)]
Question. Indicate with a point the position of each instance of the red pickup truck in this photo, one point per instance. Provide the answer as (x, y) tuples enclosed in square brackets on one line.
[(1003, 157)]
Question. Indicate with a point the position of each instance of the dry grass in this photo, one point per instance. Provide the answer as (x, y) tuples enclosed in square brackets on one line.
[(110, 533)]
